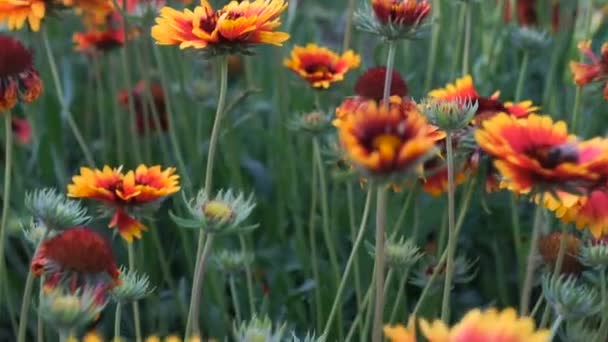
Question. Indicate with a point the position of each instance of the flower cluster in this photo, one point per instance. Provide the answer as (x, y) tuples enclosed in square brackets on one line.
[(124, 192), (232, 28)]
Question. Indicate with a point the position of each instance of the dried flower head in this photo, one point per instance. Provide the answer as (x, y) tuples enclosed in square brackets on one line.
[(222, 214), (259, 330), (395, 19), (568, 297), (19, 80), (548, 246), (55, 211), (132, 286), (67, 310), (232, 262)]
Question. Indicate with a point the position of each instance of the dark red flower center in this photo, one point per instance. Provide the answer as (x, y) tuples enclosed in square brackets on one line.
[(552, 156), (319, 67), (14, 57)]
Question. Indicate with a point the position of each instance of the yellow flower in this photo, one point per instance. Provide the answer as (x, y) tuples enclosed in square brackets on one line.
[(399, 333), (14, 13), (319, 65)]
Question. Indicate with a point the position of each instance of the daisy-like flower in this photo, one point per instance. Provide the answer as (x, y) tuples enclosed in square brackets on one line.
[(536, 153), (588, 212), (488, 326), (400, 333), (14, 13), (19, 80), (401, 12), (76, 257), (122, 192), (145, 122), (319, 65), (99, 40), (232, 28), (596, 71), (384, 139)]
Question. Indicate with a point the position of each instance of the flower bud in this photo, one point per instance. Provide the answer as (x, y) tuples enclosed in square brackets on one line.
[(314, 122), (54, 210), (569, 298), (70, 310), (131, 287), (233, 262), (595, 255), (259, 330), (449, 115)]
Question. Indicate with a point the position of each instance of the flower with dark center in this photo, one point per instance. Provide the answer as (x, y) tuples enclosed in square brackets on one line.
[(19, 80)]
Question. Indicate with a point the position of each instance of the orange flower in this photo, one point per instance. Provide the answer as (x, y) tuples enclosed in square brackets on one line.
[(400, 333), (122, 191), (590, 211), (319, 65), (14, 13), (96, 40), (436, 183), (77, 256), (488, 326), (402, 12), (385, 139), (596, 71), (18, 78), (237, 24), (535, 152)]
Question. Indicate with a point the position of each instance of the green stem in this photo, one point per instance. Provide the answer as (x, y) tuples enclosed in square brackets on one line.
[(430, 67), (192, 325), (382, 195), (555, 327), (452, 237), (467, 38), (136, 314), (65, 110), (529, 277), (117, 322), (235, 299), (390, 63), (353, 233), (348, 28), (6, 193), (523, 69), (399, 302), (516, 227), (349, 262), (604, 292), (313, 246), (40, 322), (249, 276)]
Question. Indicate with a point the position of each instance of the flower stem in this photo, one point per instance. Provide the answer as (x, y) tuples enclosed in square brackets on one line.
[(452, 237), (192, 325), (249, 276), (65, 110), (6, 195), (524, 303), (348, 27), (390, 63), (313, 246), (467, 38), (556, 326), (117, 322), (604, 293), (136, 315), (349, 262), (430, 68), (235, 299), (382, 195), (40, 322), (353, 233), (523, 70)]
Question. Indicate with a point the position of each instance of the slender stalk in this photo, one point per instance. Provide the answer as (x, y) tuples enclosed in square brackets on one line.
[(65, 110), (604, 294), (250, 294), (399, 298), (523, 70), (6, 193), (576, 109), (313, 246), (578, 95), (537, 306), (40, 322), (235, 299), (353, 232), (467, 38), (429, 284), (390, 63), (349, 262), (117, 322), (555, 327), (430, 67), (382, 195), (136, 314), (193, 316), (348, 27), (452, 237), (529, 278), (516, 227), (192, 325)]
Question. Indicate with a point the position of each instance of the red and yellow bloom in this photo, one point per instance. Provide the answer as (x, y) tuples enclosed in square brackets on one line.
[(589, 211), (15, 13), (78, 257), (383, 139), (123, 191), (537, 152), (400, 333), (596, 71), (319, 65), (402, 12), (237, 23), (19, 80)]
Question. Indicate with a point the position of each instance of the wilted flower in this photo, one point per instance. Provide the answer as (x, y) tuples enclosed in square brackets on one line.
[(548, 246), (132, 286), (395, 19), (121, 192), (530, 39), (370, 85), (77, 257), (232, 262), (314, 122), (596, 71), (489, 325), (19, 80), (54, 210), (222, 214), (568, 298), (233, 28), (146, 122), (257, 330), (319, 65), (67, 310), (595, 254)]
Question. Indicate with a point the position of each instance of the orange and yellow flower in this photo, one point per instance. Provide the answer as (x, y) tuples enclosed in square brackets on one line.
[(537, 153), (321, 66), (400, 333), (385, 139), (487, 326), (596, 71), (236, 24), (122, 191), (99, 40), (402, 12), (588, 212), (19, 80), (77, 256), (15, 13)]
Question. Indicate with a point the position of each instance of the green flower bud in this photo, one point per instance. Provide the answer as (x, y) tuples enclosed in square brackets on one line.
[(54, 210), (259, 330), (132, 286), (569, 298)]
